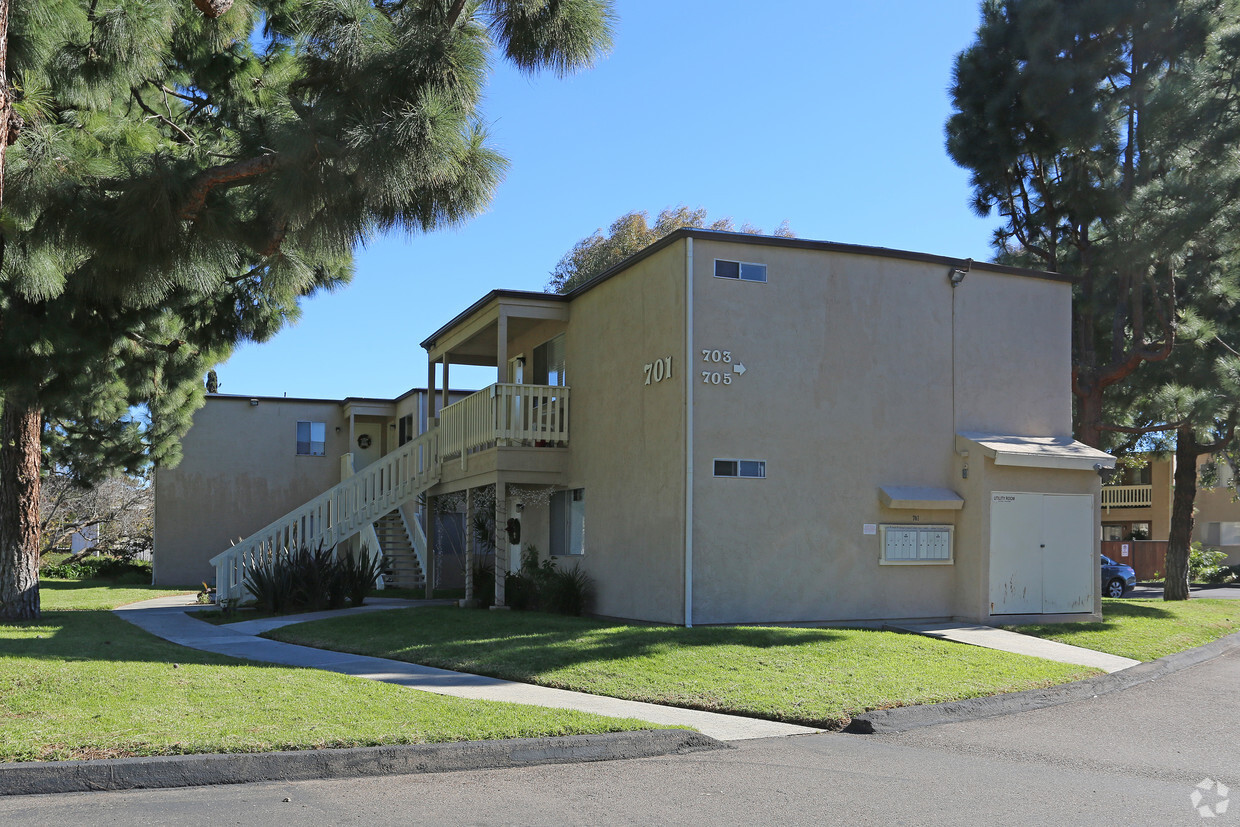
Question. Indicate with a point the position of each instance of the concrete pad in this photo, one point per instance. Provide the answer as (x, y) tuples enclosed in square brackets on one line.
[(991, 638), (168, 618)]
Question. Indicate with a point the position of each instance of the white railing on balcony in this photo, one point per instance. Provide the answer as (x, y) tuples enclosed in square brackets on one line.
[(505, 415), (1127, 496), (336, 514)]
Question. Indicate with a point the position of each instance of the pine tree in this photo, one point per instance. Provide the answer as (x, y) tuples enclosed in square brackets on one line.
[(182, 177), (1103, 134)]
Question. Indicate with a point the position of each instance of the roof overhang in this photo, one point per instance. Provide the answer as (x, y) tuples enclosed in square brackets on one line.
[(1061, 452), (920, 497)]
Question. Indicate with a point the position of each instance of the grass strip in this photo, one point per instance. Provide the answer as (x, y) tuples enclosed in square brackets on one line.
[(1146, 629), (818, 677), (83, 683)]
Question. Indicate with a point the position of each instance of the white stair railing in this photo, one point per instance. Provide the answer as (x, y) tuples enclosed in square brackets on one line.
[(337, 514)]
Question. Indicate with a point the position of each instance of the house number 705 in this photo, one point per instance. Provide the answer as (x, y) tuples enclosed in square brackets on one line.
[(658, 370)]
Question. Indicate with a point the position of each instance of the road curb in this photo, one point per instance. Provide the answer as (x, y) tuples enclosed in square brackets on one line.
[(900, 719), (41, 777)]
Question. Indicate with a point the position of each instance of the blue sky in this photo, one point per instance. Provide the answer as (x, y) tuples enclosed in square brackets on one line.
[(827, 114)]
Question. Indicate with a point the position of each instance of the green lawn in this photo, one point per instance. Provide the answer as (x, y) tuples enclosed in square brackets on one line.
[(819, 677), (1146, 629), (82, 683)]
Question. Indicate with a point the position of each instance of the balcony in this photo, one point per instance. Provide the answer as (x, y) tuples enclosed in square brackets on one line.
[(504, 416), (1127, 496)]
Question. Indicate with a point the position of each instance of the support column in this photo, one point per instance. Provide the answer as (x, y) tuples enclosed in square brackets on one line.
[(443, 400), (430, 547), (468, 602), (431, 385), (501, 346), (501, 541)]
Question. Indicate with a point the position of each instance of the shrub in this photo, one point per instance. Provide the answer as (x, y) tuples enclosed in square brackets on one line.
[(543, 587), (272, 585), (569, 592), (1205, 565), (102, 566), (358, 574)]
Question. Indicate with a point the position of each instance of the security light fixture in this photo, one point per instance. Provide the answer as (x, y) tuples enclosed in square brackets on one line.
[(253, 403), (958, 273)]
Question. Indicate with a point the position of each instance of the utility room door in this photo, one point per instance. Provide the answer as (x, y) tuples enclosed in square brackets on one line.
[(1041, 553)]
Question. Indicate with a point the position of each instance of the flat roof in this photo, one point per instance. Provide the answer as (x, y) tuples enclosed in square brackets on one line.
[(264, 398), (743, 238)]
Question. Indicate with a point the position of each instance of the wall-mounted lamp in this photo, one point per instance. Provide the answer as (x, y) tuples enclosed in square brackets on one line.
[(392, 425), (1107, 474), (337, 429), (253, 403), (520, 507), (958, 273)]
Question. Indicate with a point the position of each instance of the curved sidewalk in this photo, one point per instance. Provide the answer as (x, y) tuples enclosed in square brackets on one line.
[(167, 617)]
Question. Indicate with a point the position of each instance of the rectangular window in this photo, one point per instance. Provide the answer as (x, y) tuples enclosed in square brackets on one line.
[(568, 522), (404, 429), (549, 363), (925, 545), (740, 270), (755, 468), (311, 438)]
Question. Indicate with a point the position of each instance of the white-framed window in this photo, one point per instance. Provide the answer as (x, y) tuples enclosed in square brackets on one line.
[(568, 522), (917, 545), (311, 438), (753, 468), (739, 270)]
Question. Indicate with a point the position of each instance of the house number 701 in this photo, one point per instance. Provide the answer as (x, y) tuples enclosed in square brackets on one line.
[(658, 370)]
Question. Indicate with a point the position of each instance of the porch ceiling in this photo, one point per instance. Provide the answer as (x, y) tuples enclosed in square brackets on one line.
[(473, 338)]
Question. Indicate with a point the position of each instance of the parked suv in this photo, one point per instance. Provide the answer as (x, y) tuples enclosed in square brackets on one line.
[(1117, 578)]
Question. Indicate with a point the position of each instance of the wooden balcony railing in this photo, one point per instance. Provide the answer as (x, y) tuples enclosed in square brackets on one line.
[(504, 415), (1127, 496)]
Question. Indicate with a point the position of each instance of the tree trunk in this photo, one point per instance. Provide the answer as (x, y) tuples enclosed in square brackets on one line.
[(1175, 586), (1089, 415), (21, 424)]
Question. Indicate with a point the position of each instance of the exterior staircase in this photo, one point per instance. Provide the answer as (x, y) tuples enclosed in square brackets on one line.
[(404, 569), (357, 505)]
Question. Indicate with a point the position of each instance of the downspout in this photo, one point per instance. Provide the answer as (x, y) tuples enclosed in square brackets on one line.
[(688, 432)]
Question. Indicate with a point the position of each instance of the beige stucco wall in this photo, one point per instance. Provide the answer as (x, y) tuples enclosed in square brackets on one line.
[(972, 569), (627, 438), (240, 471), (848, 387), (1158, 514), (1216, 505)]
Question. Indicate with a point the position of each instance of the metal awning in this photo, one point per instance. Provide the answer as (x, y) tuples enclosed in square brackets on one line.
[(1062, 452), (920, 497)]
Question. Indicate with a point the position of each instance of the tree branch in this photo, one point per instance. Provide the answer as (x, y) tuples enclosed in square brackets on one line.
[(170, 347), (454, 13), (225, 175)]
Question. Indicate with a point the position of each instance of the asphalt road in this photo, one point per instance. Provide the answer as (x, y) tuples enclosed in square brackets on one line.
[(1130, 757)]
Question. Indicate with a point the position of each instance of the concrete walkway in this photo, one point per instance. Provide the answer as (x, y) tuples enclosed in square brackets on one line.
[(167, 617), (1003, 640)]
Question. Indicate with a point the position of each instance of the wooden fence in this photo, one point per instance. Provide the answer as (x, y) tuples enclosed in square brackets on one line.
[(1145, 556)]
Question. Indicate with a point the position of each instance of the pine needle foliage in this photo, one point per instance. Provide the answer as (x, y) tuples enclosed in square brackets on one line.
[(178, 182), (1105, 135)]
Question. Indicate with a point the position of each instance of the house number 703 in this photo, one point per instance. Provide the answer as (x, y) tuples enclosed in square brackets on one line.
[(658, 370)]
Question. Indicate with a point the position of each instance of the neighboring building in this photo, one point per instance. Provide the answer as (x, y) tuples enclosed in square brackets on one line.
[(249, 459), (1136, 515), (734, 428)]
